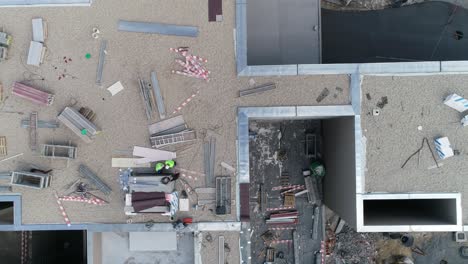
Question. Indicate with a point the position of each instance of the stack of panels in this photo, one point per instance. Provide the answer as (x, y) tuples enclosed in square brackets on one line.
[(77, 123), (32, 94)]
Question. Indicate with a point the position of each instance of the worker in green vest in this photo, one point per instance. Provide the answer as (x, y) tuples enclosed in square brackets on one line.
[(169, 164), (159, 167)]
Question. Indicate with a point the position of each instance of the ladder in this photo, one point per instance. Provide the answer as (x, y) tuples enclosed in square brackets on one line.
[(185, 136), (33, 131), (223, 195), (3, 146)]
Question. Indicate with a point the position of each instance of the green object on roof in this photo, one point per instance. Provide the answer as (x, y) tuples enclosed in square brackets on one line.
[(170, 164), (159, 166), (317, 169), (84, 131), (88, 55)]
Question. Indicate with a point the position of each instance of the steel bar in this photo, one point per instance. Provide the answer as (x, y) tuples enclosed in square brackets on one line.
[(146, 101), (33, 131), (257, 89), (159, 98), (221, 250), (102, 57), (157, 28), (40, 124)]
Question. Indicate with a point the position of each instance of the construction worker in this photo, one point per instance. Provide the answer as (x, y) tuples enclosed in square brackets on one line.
[(159, 167), (169, 164)]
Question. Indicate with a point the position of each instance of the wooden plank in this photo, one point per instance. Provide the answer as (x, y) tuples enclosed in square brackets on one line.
[(38, 30), (3, 146), (166, 124), (153, 154), (128, 163), (215, 10)]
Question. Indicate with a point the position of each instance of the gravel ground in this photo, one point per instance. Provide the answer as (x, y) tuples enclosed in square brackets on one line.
[(122, 118), (393, 135)]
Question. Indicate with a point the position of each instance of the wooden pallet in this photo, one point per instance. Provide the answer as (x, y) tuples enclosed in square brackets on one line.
[(3, 146), (289, 200)]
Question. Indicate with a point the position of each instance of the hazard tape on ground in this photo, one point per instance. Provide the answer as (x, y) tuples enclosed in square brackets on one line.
[(62, 210), (284, 241), (94, 200), (281, 228)]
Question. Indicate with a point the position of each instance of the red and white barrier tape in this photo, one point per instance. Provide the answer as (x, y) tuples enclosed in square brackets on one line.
[(186, 102), (281, 228), (284, 241), (93, 200), (62, 210), (294, 189), (280, 208)]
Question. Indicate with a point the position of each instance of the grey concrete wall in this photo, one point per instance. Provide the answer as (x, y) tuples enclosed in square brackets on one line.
[(339, 158), (283, 32)]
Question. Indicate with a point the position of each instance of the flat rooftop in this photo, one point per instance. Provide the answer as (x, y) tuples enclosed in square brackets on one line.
[(415, 110), (122, 117)]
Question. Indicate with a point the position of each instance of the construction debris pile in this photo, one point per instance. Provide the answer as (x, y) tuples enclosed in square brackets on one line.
[(349, 246)]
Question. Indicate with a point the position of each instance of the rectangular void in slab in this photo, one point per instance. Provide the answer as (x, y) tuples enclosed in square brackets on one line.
[(339, 157), (410, 212), (283, 32), (7, 213)]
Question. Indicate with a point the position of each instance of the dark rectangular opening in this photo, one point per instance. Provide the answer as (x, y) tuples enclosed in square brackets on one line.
[(6, 213), (38, 247), (410, 212)]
